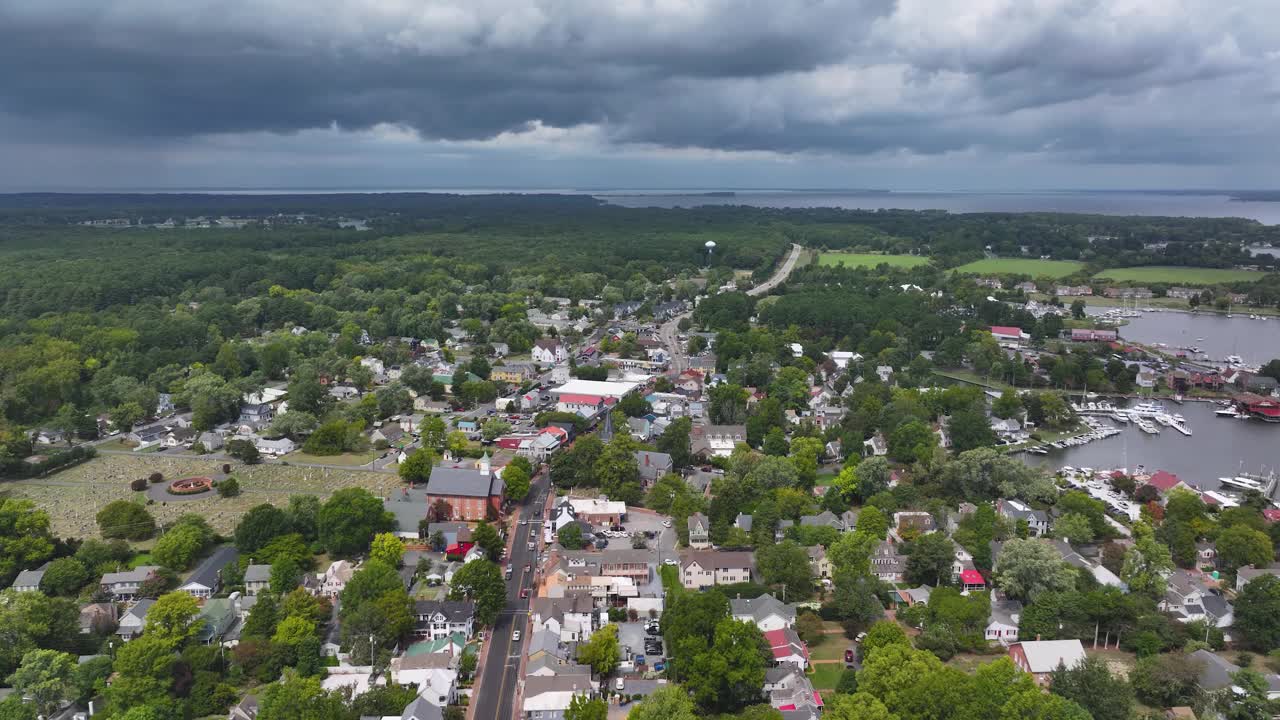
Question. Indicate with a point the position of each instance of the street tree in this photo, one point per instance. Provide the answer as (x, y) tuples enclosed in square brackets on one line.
[(45, 679), (601, 651), (349, 519), (1031, 566), (481, 582)]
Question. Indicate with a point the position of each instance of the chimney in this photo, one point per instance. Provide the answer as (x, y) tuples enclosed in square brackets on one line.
[(646, 459)]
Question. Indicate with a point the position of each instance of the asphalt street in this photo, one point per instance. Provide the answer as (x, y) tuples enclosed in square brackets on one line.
[(499, 676)]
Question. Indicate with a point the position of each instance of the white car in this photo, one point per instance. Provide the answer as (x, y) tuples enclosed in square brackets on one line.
[(666, 523), (671, 561), (515, 636)]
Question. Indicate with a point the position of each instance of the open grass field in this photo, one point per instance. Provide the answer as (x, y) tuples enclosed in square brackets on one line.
[(832, 647), (1021, 266), (853, 260), (348, 459), (825, 676), (1180, 275), (73, 497)]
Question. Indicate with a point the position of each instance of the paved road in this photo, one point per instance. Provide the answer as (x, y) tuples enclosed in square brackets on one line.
[(667, 333), (499, 676), (779, 277)]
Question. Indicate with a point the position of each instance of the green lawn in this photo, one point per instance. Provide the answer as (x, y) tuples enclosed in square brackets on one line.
[(826, 675), (1021, 266), (831, 648), (853, 260), (347, 459), (1182, 275)]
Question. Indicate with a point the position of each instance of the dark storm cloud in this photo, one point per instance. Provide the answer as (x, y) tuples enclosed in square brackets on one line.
[(1093, 80)]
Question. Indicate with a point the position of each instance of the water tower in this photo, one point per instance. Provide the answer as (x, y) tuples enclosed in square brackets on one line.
[(711, 246)]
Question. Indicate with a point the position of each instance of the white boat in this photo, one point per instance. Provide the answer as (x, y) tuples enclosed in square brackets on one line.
[(1227, 412), (1147, 426), (1244, 483), (1147, 409), (1120, 416)]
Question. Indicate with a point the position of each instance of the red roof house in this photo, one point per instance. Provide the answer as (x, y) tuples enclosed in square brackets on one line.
[(972, 580), (787, 646), (1164, 481), (1005, 332)]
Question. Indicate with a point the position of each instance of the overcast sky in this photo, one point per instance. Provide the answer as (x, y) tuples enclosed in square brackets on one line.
[(905, 94)]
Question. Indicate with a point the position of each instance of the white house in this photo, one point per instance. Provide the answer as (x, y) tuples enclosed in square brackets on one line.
[(766, 612), (134, 619), (705, 568), (1002, 623), (335, 577), (275, 448), (435, 674), (548, 351)]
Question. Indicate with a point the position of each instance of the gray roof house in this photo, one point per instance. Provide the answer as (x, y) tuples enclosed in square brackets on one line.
[(767, 612), (29, 580), (653, 465), (1216, 672), (134, 618), (257, 578), (206, 580), (420, 709), (125, 585), (1249, 572)]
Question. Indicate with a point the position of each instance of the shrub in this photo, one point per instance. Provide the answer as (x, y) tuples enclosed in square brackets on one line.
[(226, 469), (156, 478), (229, 487), (138, 485)]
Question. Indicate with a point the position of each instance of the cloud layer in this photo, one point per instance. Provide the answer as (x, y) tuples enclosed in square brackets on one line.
[(911, 83)]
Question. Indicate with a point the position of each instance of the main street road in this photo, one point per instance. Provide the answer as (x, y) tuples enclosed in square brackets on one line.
[(667, 333), (499, 676)]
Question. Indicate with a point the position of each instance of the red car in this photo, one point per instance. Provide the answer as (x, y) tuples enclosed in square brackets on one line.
[(524, 593)]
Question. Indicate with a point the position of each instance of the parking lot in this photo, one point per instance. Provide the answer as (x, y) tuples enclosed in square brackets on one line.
[(638, 643)]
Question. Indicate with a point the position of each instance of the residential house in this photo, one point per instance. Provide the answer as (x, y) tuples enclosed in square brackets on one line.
[(344, 392), (717, 440), (699, 531), (211, 441), (133, 620), (257, 414), (653, 465), (206, 580), (1189, 599), (1002, 620), (257, 578), (469, 494), (875, 446), (1042, 657), (98, 618), (275, 448), (390, 433), (767, 612), (335, 578), (548, 351), (1182, 293), (547, 698), (29, 580), (887, 564), (571, 617), (701, 569), (787, 647), (826, 518), (124, 585), (1073, 290), (1249, 572), (916, 521), (819, 563), (246, 709), (791, 693), (1026, 287), (434, 619), (598, 510), (148, 434), (420, 709), (1165, 481), (178, 437), (216, 617), (743, 522), (1075, 559), (435, 674), (1218, 673), (1037, 520)]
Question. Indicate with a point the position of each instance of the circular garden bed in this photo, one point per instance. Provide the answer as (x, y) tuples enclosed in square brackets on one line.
[(191, 486)]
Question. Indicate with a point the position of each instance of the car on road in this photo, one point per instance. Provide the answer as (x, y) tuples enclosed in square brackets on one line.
[(671, 561), (618, 684), (666, 523), (530, 546), (524, 593), (848, 656), (526, 568), (515, 636)]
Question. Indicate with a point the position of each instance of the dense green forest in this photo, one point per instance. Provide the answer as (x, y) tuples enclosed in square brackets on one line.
[(95, 318)]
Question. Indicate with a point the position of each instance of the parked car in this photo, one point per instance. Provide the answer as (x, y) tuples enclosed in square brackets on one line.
[(524, 593), (515, 636)]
